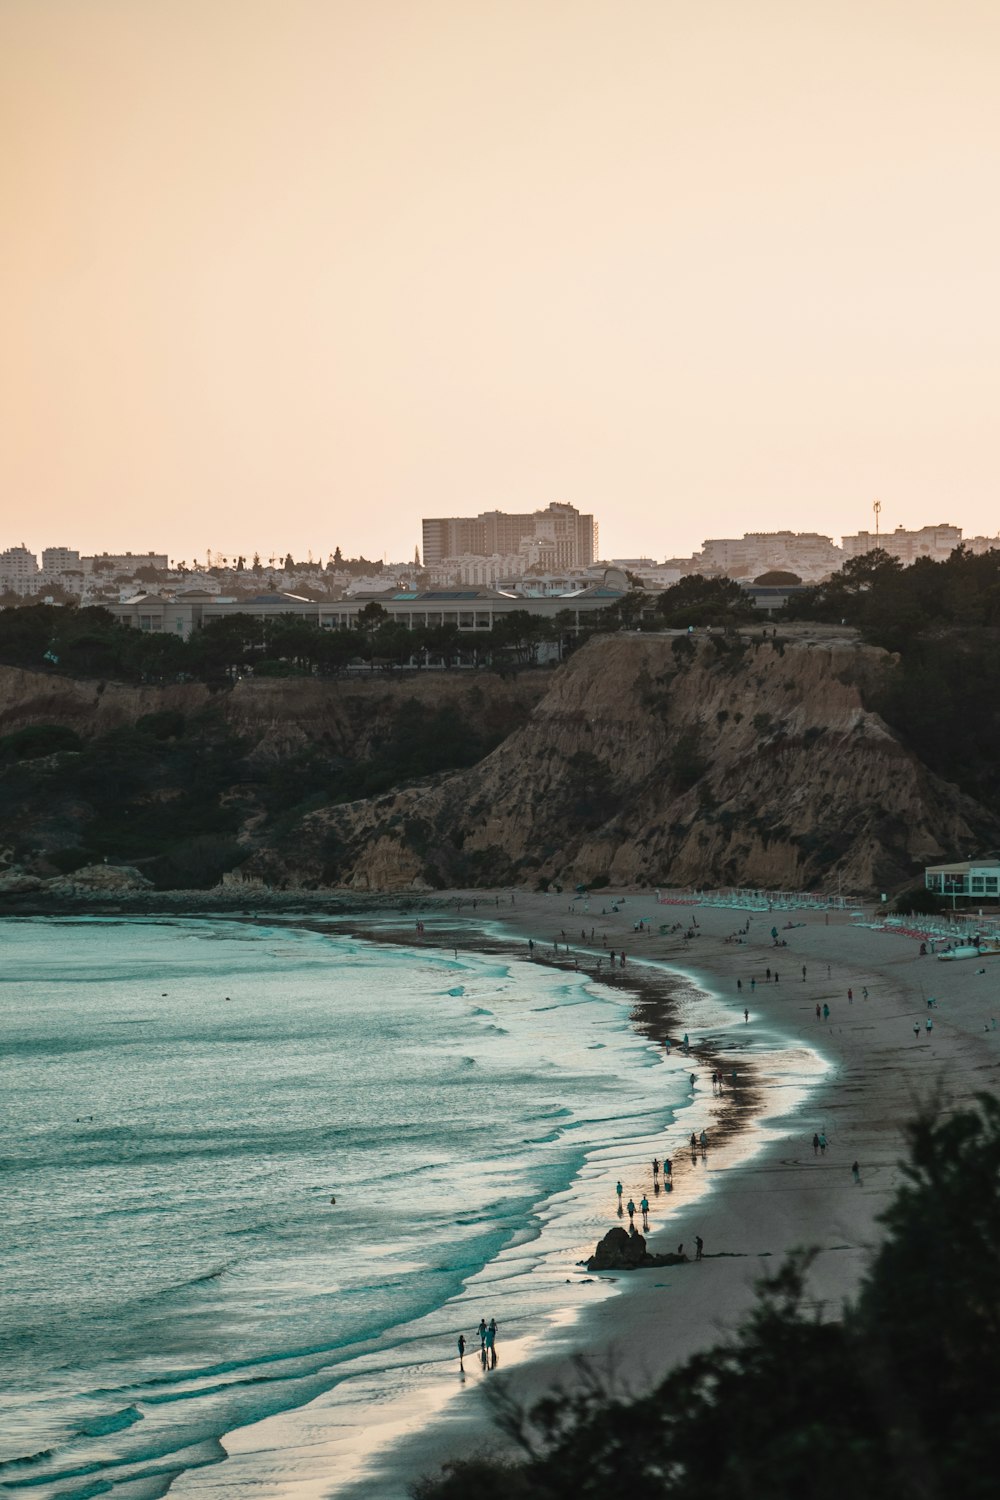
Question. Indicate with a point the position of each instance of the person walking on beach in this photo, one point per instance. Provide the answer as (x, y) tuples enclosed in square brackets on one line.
[(461, 1351), (856, 1172), (668, 1168), (826, 1012), (818, 1011), (753, 984), (739, 985), (631, 1211), (656, 1169), (850, 997), (618, 1190), (699, 1247), (916, 1030), (815, 1145), (803, 973), (704, 1141), (489, 1348), (481, 1330), (693, 1080), (822, 1144), (644, 1208), (746, 1016)]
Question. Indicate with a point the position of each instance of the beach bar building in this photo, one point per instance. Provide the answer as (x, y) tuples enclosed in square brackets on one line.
[(977, 879)]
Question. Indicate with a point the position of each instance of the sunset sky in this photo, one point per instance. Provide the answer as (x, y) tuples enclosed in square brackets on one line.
[(288, 274)]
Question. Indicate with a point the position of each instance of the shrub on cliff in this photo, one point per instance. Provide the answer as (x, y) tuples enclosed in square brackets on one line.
[(897, 1398), (37, 740)]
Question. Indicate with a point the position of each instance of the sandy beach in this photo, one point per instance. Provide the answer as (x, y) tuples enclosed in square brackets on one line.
[(761, 1190)]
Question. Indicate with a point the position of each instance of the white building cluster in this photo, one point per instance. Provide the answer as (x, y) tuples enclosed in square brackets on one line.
[(65, 569), (542, 554)]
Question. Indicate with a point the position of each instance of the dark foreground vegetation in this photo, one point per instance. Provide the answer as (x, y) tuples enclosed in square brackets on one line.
[(897, 1398)]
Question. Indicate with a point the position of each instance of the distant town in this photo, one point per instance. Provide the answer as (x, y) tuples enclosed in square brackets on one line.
[(496, 557)]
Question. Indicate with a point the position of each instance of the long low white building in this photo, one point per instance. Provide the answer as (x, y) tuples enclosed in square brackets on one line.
[(469, 609), (975, 878)]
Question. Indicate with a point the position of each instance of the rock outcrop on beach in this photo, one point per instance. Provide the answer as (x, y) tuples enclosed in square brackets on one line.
[(666, 760), (621, 1251)]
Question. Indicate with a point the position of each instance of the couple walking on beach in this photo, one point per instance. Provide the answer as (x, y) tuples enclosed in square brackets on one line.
[(487, 1344)]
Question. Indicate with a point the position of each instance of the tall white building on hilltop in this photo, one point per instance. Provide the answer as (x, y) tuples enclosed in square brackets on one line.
[(18, 571), (935, 542), (805, 553), (60, 560)]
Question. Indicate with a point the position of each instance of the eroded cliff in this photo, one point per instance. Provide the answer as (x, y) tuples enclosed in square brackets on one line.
[(665, 760)]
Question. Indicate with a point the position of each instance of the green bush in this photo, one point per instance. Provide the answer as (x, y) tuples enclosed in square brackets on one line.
[(67, 861), (920, 900), (197, 863), (37, 740), (169, 724)]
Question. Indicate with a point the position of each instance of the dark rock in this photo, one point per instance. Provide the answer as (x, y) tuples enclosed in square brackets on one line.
[(621, 1251)]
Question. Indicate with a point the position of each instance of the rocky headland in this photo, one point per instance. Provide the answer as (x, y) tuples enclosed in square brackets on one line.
[(653, 759), (665, 759)]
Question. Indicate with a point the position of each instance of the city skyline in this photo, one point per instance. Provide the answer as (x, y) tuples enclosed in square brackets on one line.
[(319, 270), (219, 557)]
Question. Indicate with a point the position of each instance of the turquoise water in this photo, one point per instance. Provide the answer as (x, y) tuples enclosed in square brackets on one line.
[(181, 1100)]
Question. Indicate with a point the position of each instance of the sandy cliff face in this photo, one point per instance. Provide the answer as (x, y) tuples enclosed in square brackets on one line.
[(667, 760)]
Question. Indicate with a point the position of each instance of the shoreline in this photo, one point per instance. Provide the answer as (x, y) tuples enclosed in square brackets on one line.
[(776, 1197), (782, 1197), (434, 1419)]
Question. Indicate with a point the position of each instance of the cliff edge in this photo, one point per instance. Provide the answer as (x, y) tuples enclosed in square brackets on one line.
[(665, 759)]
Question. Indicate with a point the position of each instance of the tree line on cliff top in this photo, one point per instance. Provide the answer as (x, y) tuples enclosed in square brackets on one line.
[(892, 1395), (941, 693), (90, 642)]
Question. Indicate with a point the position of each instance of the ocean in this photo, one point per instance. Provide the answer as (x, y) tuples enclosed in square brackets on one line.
[(181, 1101)]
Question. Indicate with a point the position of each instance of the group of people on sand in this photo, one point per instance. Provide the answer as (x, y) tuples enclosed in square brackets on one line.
[(487, 1345)]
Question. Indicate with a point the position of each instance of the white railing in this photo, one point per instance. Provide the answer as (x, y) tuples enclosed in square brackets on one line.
[(950, 927), (747, 898)]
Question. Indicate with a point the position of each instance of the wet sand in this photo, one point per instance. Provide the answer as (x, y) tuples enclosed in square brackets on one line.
[(770, 1192)]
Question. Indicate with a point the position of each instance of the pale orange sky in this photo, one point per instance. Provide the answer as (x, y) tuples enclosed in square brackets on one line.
[(294, 273)]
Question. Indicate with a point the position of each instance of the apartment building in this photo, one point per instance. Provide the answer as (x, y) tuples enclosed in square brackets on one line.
[(57, 560), (18, 571), (935, 542), (560, 535), (124, 562), (806, 553)]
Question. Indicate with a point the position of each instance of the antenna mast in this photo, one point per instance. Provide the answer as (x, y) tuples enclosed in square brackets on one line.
[(877, 507)]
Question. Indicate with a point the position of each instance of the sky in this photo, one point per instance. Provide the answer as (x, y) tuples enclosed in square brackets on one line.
[(286, 275)]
